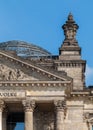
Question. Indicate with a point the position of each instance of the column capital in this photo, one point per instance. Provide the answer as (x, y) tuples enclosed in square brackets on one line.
[(29, 105), (60, 104), (2, 105)]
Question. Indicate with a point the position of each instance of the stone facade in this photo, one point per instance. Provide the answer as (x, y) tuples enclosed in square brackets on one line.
[(47, 93)]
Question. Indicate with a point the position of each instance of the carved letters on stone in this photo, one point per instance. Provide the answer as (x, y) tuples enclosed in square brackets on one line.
[(11, 94), (7, 73)]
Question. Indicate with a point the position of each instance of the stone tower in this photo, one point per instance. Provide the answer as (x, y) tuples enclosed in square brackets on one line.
[(70, 54)]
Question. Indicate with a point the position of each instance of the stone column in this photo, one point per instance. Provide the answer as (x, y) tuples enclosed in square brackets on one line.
[(4, 118), (2, 105), (28, 107), (60, 109)]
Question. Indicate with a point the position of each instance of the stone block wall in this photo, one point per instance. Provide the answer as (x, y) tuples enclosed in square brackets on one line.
[(76, 73)]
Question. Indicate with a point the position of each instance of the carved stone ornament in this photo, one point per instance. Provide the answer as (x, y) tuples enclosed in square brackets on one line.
[(28, 105), (70, 27), (86, 116), (60, 104), (7, 73), (2, 105)]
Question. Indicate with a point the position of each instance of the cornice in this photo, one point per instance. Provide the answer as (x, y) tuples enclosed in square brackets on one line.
[(71, 63), (80, 93), (35, 83)]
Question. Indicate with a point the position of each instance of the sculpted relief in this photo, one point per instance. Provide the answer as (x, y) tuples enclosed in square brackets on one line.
[(7, 73)]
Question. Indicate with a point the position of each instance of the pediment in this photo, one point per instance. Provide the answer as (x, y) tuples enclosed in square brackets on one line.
[(7, 73), (13, 67)]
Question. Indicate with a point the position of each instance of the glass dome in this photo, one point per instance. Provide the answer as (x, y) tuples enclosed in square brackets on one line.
[(24, 49)]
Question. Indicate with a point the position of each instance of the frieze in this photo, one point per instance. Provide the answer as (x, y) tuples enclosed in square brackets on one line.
[(45, 92)]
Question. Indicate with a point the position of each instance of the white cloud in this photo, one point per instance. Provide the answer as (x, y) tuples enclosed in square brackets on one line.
[(89, 75)]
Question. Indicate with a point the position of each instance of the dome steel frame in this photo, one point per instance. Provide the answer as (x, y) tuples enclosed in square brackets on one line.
[(24, 49)]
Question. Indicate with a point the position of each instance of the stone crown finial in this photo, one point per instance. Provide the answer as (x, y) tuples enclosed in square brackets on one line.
[(70, 17), (70, 49), (70, 28)]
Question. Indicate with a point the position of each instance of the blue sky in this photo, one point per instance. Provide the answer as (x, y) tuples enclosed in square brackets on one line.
[(39, 22)]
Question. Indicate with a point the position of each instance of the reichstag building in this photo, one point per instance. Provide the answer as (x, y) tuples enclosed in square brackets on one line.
[(45, 91)]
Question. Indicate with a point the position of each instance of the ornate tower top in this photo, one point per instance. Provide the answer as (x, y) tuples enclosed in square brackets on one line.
[(70, 44), (70, 29)]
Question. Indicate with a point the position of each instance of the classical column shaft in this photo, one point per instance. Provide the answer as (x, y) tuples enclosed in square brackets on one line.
[(1, 111), (59, 120), (29, 107), (60, 107), (0, 120), (28, 120)]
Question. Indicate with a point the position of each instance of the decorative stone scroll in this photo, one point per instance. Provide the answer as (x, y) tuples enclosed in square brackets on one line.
[(28, 105), (7, 73), (60, 104)]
